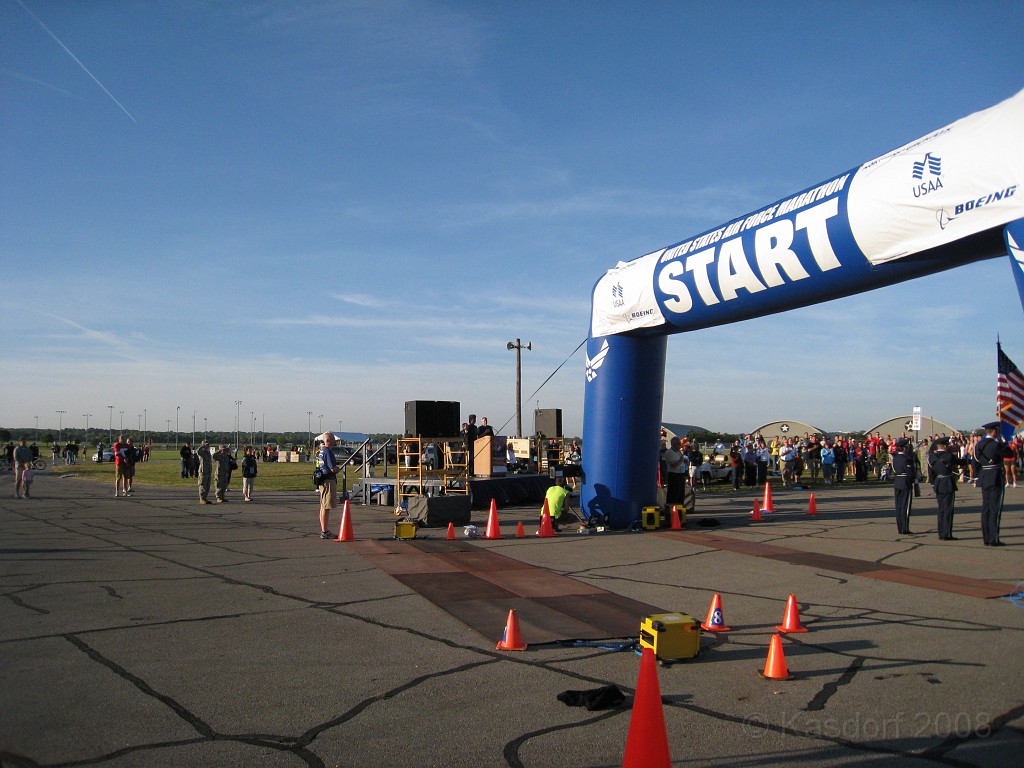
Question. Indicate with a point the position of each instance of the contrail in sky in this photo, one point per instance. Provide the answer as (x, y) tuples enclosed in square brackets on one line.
[(79, 63)]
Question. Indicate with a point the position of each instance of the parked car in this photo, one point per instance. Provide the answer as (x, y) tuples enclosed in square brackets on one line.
[(721, 469), (342, 453), (108, 456)]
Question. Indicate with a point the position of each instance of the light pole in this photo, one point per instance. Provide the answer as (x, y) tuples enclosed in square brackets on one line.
[(60, 425), (252, 427), (193, 429), (320, 424), (145, 424), (121, 427), (110, 425), (176, 412), (87, 415), (309, 426), (238, 405), (517, 345), (167, 438), (204, 427)]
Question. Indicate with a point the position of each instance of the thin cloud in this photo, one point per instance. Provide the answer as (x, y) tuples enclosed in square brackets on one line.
[(359, 300), (112, 341), (34, 81)]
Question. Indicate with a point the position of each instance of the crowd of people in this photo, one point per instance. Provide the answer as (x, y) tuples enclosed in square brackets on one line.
[(754, 458), (944, 461)]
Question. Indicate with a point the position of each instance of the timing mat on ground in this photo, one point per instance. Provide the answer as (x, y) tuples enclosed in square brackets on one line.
[(479, 586), (942, 582)]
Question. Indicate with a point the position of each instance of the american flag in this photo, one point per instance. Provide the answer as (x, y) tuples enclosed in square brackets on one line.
[(1009, 390)]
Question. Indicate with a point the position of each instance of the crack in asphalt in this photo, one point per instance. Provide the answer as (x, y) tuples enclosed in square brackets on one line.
[(297, 745)]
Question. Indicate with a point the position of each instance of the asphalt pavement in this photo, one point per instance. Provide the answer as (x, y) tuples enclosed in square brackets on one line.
[(151, 631)]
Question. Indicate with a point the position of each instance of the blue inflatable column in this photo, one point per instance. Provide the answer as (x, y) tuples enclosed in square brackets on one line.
[(1014, 235), (621, 419)]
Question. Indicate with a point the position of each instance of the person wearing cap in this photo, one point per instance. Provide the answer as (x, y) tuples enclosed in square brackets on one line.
[(988, 468), (942, 474), (904, 476), (328, 488), (225, 464), (205, 459), (557, 504)]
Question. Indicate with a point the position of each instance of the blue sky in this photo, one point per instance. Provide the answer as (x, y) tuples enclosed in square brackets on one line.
[(337, 207)]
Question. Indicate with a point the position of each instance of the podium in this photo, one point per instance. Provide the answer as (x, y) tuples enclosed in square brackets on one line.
[(489, 456)]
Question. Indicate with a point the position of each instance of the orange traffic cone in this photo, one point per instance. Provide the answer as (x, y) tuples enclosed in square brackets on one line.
[(345, 529), (512, 640), (715, 622), (493, 529), (755, 516), (791, 621), (766, 505), (812, 506), (775, 665), (676, 524), (520, 533), (647, 739), (547, 530), (451, 532)]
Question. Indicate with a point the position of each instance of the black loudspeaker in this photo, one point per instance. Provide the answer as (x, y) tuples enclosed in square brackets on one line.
[(431, 418), (448, 424), (548, 422), (420, 418)]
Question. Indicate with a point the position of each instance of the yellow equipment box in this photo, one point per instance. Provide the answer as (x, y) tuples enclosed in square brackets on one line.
[(650, 518), (671, 636), (405, 529)]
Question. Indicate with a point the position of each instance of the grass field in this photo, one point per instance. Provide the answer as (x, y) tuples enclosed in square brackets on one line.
[(164, 469)]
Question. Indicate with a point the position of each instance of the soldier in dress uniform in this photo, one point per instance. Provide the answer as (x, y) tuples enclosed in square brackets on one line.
[(988, 468), (905, 476), (942, 474)]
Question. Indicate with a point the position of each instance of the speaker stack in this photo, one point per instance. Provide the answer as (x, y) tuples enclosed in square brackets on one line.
[(432, 418), (547, 422)]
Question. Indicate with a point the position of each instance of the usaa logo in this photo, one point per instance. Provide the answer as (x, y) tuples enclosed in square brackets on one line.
[(927, 173), (618, 295)]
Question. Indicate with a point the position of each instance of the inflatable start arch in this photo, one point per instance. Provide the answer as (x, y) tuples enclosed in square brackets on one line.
[(950, 198)]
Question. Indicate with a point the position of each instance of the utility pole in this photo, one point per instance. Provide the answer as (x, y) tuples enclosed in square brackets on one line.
[(517, 345)]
